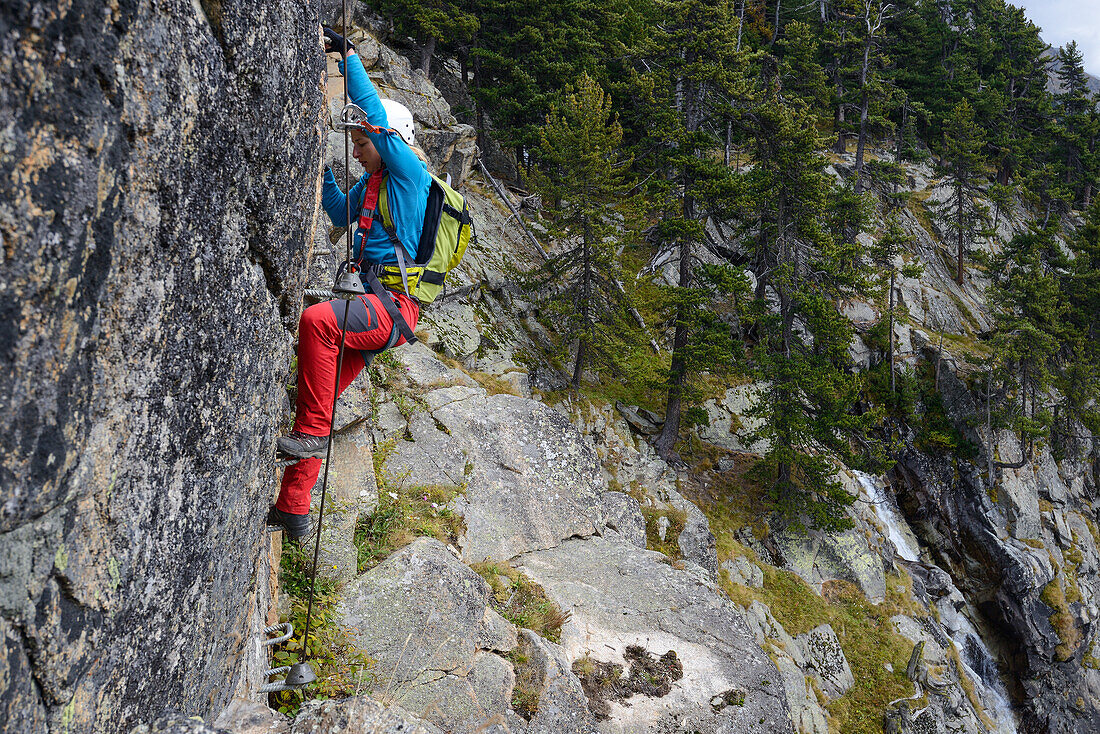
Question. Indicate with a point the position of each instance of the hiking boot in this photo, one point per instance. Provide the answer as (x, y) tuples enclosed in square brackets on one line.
[(303, 445), (296, 526)]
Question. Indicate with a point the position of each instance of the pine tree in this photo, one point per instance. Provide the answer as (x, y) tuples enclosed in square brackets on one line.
[(431, 22), (801, 351), (886, 259), (1030, 311), (1076, 124), (581, 175), (964, 164), (527, 51), (1079, 380), (1014, 85), (695, 70), (871, 91)]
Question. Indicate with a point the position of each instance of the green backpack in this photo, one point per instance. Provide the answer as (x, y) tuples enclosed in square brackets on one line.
[(447, 231)]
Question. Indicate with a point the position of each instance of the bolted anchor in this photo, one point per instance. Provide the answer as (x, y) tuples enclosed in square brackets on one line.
[(298, 675)]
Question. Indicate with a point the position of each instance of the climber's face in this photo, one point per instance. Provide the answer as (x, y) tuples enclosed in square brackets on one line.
[(365, 152)]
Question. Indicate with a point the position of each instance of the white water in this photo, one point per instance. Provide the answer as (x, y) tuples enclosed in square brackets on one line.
[(888, 515), (981, 667), (973, 652)]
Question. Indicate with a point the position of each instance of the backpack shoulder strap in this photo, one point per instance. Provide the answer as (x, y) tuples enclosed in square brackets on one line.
[(388, 227)]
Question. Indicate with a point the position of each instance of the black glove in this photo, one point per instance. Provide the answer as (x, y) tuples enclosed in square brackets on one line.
[(335, 43)]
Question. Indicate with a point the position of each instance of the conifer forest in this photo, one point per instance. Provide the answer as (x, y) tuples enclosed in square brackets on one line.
[(641, 121)]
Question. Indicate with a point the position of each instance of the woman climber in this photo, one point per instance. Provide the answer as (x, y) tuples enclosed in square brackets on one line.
[(393, 169)]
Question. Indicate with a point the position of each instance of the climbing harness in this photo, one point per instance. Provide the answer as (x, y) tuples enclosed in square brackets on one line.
[(348, 287)]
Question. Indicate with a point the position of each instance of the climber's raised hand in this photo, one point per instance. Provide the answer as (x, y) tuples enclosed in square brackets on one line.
[(335, 43)]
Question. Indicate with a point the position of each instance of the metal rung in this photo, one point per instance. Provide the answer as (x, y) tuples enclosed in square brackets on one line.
[(277, 685), (286, 461), (298, 675), (321, 294), (272, 641)]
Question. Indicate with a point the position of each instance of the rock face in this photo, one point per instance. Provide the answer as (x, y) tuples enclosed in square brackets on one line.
[(620, 595), (825, 658), (1023, 552), (623, 514), (157, 195), (531, 480), (425, 617), (357, 715)]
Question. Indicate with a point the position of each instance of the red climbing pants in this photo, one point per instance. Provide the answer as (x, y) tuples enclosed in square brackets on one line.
[(369, 329)]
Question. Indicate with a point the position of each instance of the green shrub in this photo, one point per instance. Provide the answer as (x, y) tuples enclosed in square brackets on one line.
[(342, 669)]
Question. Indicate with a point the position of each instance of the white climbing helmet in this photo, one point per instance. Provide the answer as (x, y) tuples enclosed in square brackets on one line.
[(401, 120)]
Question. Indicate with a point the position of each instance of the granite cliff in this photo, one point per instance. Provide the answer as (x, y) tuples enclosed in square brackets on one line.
[(158, 187)]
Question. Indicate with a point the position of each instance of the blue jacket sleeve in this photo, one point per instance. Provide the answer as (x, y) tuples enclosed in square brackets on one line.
[(334, 201), (399, 158)]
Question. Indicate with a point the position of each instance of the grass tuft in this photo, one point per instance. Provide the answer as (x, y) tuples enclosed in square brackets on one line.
[(405, 513), (521, 601), (670, 546), (1054, 596), (525, 692)]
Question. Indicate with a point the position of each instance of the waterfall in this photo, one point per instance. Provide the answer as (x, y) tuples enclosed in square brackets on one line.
[(975, 656), (982, 669), (889, 516)]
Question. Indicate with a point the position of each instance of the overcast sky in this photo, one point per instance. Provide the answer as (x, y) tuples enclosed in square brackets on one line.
[(1063, 21)]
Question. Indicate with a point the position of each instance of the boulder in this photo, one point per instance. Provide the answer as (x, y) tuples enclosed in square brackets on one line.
[(456, 326), (562, 707), (806, 713), (424, 369), (623, 514), (451, 151), (249, 717), (176, 722), (520, 382), (530, 479), (743, 571), (826, 662), (357, 715), (860, 353), (731, 423), (620, 595), (767, 629), (818, 557), (641, 423), (424, 616), (697, 543)]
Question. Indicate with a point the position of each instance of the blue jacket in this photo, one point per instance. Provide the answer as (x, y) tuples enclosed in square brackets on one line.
[(406, 188)]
